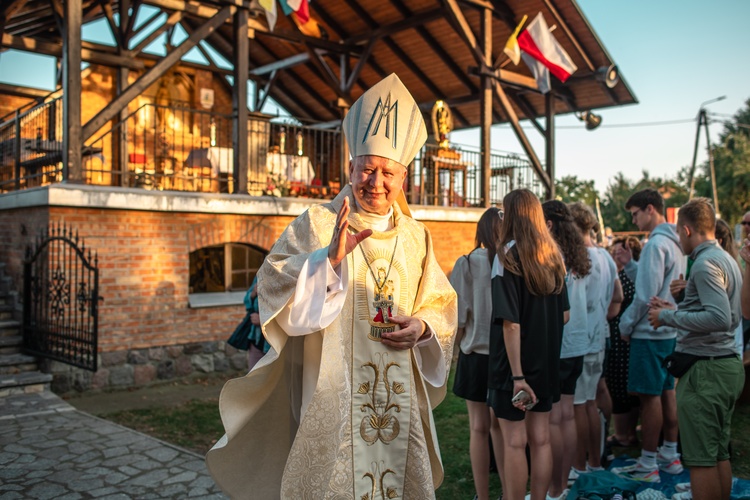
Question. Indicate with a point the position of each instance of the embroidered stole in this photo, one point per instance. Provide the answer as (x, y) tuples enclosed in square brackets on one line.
[(381, 380)]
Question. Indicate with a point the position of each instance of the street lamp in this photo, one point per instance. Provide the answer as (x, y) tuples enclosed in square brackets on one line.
[(703, 120)]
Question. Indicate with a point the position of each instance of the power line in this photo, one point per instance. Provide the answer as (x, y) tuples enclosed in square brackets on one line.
[(641, 124)]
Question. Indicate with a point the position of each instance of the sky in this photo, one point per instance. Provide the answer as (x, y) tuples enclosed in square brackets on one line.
[(674, 55)]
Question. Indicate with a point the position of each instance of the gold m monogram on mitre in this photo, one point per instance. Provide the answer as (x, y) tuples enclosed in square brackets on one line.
[(385, 121)]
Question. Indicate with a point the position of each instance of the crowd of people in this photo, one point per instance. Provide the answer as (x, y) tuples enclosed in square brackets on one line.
[(557, 335), (609, 341)]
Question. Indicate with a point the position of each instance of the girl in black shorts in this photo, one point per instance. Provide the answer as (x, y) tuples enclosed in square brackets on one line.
[(471, 279), (530, 304)]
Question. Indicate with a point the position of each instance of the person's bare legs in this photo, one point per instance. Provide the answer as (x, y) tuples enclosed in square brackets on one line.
[(253, 356), (595, 434), (711, 483), (516, 472), (556, 442), (651, 421), (537, 430), (568, 443), (669, 415), (479, 425), (497, 445), (624, 424), (582, 436)]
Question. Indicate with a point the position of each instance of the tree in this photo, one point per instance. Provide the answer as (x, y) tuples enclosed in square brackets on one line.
[(569, 189), (619, 190)]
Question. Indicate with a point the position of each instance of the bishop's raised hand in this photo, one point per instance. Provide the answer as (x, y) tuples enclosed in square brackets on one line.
[(344, 241)]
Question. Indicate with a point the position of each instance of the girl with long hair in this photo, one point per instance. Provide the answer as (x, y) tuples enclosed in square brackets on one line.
[(471, 280), (563, 433), (530, 307)]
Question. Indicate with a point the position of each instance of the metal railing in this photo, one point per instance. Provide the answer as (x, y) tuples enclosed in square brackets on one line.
[(31, 147), (183, 149), (453, 177)]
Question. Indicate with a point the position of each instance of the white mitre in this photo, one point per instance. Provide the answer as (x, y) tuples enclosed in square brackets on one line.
[(385, 121)]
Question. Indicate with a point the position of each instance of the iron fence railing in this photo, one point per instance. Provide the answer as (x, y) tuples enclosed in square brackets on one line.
[(31, 147), (452, 177), (183, 149)]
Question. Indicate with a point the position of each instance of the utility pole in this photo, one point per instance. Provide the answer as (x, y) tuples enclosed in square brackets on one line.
[(703, 121)]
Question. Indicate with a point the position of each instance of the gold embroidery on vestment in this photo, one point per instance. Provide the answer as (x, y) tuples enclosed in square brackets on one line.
[(381, 424), (378, 484)]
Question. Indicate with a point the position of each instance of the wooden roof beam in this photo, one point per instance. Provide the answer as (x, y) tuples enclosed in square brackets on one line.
[(55, 49), (430, 40), (148, 78), (8, 10), (410, 21), (467, 34), (343, 34), (426, 81)]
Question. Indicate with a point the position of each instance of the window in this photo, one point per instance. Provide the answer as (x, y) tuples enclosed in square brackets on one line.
[(221, 274)]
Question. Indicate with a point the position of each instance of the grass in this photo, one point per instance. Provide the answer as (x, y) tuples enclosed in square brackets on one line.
[(196, 425)]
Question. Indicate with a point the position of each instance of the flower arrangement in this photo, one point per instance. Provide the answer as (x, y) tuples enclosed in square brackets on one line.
[(277, 185)]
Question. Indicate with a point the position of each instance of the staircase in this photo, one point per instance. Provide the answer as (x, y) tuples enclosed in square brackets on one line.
[(19, 373)]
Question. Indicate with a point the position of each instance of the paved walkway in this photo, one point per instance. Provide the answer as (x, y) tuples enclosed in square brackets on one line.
[(48, 449)]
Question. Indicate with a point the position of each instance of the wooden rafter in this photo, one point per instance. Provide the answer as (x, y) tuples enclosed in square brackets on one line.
[(398, 51), (8, 10), (56, 49), (445, 58), (174, 18), (106, 6), (468, 35), (113, 108), (284, 96)]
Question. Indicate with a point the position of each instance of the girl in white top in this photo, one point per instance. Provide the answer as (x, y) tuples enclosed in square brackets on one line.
[(471, 279)]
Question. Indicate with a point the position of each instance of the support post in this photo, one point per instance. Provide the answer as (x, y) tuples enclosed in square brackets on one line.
[(344, 107), (486, 106), (239, 100), (711, 165), (549, 142), (123, 74), (71, 67), (701, 116)]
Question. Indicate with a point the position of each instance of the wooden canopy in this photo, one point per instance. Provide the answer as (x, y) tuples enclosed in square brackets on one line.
[(361, 41)]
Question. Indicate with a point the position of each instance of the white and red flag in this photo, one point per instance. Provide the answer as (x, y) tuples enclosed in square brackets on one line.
[(543, 54)]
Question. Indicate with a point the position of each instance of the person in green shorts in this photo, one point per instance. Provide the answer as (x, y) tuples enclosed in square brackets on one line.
[(709, 315)]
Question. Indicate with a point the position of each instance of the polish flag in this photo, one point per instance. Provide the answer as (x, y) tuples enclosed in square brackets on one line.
[(537, 41)]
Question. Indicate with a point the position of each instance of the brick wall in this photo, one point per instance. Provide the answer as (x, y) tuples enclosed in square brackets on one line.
[(147, 331)]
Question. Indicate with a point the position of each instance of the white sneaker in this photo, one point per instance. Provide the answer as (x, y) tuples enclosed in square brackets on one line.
[(638, 472), (670, 465), (562, 496), (685, 495), (682, 487), (573, 475)]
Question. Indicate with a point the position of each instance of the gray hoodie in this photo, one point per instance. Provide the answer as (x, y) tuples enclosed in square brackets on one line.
[(661, 262)]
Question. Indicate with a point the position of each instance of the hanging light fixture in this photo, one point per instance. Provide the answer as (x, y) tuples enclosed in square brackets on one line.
[(590, 119), (610, 75)]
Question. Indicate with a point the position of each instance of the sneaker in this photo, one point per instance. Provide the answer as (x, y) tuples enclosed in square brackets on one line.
[(562, 496), (637, 472), (682, 487), (669, 465), (685, 495), (573, 475)]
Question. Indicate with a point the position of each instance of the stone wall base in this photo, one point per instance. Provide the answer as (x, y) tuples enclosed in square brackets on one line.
[(144, 367)]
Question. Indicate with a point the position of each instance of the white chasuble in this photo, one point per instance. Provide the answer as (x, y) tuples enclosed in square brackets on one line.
[(381, 376)]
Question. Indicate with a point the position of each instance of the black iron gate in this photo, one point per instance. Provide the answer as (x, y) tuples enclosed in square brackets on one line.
[(60, 299)]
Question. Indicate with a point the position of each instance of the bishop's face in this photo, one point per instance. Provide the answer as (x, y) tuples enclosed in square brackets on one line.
[(376, 182)]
